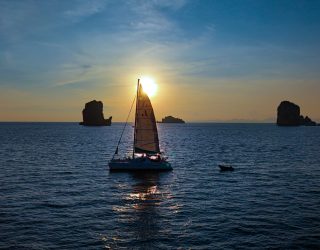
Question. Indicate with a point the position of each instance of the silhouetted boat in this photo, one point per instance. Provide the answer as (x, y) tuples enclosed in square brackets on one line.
[(226, 168), (146, 151)]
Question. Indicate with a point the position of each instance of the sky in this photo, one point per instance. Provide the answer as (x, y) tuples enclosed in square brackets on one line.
[(213, 60)]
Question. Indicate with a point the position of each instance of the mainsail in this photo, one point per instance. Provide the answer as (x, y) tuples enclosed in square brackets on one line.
[(146, 138)]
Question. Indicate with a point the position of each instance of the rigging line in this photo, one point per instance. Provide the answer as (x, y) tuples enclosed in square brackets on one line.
[(124, 127), (135, 118)]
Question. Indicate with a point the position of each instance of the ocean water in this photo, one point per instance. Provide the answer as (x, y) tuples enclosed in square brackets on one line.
[(56, 191)]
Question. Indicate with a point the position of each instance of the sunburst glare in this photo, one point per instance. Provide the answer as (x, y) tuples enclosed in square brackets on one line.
[(149, 86)]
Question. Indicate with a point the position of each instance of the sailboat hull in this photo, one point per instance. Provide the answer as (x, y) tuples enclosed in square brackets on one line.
[(139, 164)]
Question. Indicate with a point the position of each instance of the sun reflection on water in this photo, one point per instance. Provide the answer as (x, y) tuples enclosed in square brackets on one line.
[(141, 209)]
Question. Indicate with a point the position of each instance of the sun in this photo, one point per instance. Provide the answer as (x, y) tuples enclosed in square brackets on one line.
[(149, 86)]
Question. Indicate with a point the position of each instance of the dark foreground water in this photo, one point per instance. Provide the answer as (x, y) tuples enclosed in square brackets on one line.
[(57, 193)]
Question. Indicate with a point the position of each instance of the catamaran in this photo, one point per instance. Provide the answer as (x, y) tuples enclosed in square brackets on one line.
[(146, 150)]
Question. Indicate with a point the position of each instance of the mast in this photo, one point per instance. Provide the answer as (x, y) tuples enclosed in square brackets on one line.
[(135, 119)]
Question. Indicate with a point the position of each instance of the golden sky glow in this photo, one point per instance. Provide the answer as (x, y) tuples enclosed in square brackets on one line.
[(57, 56)]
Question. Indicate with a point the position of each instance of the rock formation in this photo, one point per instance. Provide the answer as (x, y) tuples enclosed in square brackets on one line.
[(93, 115), (171, 119), (308, 122), (288, 114)]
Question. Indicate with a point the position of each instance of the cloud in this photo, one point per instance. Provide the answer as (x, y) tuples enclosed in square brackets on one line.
[(20, 19), (13, 17), (82, 9), (68, 82), (153, 17), (170, 4)]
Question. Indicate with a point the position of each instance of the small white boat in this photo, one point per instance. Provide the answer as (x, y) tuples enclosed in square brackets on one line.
[(146, 151)]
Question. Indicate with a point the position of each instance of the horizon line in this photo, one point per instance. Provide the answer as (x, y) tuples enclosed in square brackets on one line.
[(186, 122), (265, 121)]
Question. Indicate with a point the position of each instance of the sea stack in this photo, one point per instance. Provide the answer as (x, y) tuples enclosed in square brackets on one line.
[(171, 119), (288, 114), (93, 115)]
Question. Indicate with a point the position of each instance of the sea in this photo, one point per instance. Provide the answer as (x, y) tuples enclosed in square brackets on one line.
[(56, 190)]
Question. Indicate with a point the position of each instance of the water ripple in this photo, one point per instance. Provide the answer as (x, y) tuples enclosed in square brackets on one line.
[(56, 191)]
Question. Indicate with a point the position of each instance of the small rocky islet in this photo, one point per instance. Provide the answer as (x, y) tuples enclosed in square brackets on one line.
[(93, 115), (288, 114), (171, 119)]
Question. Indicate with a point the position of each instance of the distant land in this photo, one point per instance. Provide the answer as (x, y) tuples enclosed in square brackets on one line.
[(236, 120), (171, 119)]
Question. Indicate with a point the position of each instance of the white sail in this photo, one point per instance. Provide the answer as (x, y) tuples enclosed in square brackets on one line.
[(146, 138)]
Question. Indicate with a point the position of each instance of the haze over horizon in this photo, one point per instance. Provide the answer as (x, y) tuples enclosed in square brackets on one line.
[(212, 60)]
